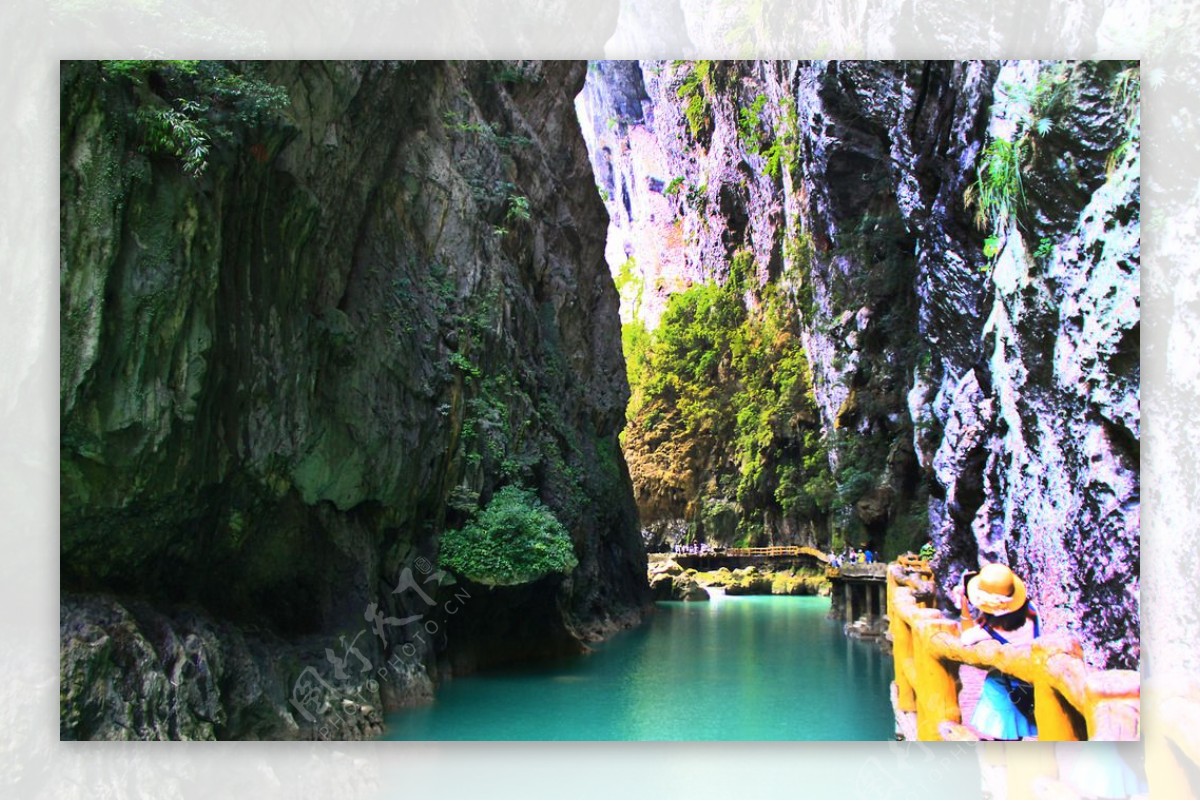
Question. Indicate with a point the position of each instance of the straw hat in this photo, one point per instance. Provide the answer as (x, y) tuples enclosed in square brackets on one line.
[(996, 590)]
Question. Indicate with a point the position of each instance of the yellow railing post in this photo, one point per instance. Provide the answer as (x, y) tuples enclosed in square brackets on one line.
[(1115, 720), (937, 686), (1051, 712), (1113, 709), (901, 648)]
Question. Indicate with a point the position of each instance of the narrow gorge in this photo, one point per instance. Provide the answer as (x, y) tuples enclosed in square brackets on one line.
[(374, 375), (866, 303)]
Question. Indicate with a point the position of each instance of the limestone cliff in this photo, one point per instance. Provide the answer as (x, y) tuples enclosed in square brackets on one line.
[(958, 244), (286, 373)]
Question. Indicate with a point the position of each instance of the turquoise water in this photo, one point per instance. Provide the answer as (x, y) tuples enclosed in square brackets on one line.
[(746, 668)]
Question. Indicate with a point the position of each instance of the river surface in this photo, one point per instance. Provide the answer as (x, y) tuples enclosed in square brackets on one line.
[(745, 668)]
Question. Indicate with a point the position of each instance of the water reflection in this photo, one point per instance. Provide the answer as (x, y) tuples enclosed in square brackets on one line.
[(744, 668)]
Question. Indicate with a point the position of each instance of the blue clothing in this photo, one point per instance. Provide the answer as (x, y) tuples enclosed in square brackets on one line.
[(997, 716)]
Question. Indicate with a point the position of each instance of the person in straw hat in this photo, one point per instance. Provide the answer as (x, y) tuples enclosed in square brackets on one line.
[(1004, 710)]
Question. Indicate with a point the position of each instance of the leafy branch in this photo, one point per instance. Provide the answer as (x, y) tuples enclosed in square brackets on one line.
[(998, 193), (518, 209), (188, 108)]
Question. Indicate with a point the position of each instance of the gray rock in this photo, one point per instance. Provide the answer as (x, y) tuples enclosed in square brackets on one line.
[(686, 588)]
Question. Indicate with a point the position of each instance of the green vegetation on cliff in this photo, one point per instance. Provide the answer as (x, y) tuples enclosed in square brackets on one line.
[(998, 194), (725, 381), (513, 540), (777, 146), (694, 90), (186, 109)]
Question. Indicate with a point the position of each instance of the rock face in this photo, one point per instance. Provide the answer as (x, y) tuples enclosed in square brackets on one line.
[(971, 344), (669, 582), (283, 378), (1061, 420), (133, 671)]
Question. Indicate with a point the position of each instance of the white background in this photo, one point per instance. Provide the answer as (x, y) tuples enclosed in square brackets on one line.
[(35, 35)]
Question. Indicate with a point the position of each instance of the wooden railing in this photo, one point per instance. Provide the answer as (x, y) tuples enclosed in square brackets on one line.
[(775, 550), (914, 564), (1071, 700)]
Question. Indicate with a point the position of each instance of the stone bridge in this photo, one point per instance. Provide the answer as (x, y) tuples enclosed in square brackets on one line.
[(859, 598)]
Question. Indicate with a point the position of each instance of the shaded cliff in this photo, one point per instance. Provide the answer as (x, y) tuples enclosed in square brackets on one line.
[(956, 246), (285, 374)]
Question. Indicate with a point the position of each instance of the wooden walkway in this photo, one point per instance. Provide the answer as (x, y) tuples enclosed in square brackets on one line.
[(745, 557), (776, 551)]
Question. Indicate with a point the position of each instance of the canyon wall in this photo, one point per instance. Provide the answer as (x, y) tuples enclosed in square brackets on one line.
[(957, 246)]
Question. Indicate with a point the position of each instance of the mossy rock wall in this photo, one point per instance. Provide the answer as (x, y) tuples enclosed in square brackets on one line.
[(282, 379)]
